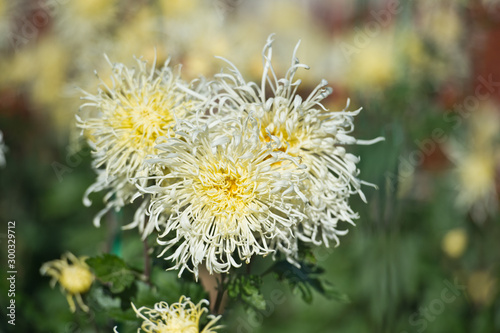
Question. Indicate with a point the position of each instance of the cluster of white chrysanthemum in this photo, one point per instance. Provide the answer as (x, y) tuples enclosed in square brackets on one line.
[(227, 169)]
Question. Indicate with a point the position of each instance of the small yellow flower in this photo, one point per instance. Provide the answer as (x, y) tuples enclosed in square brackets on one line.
[(181, 317), (73, 275), (455, 242), (482, 287)]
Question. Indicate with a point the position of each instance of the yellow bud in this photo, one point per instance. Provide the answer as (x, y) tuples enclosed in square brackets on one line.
[(76, 279), (455, 242), (481, 287)]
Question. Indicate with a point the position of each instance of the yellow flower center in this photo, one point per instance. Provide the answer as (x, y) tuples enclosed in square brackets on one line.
[(76, 279), (178, 325), (274, 123), (145, 123), (226, 191)]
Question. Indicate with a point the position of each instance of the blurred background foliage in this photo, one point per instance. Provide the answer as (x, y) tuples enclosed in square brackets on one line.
[(424, 255)]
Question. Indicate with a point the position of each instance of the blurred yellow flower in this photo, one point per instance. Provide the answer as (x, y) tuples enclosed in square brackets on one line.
[(91, 9), (52, 62), (139, 37), (476, 173), (200, 60), (441, 22), (42, 69), (87, 15), (482, 287), (176, 8), (476, 164), (455, 242), (485, 126), (373, 66), (287, 15), (74, 277)]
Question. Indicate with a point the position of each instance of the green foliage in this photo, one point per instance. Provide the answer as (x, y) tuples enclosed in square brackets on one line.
[(247, 289), (392, 264), (113, 271), (306, 278)]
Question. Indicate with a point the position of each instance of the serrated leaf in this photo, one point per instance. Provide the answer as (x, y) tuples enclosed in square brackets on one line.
[(112, 270)]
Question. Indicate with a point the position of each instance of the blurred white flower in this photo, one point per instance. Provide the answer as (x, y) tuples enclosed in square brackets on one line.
[(476, 163)]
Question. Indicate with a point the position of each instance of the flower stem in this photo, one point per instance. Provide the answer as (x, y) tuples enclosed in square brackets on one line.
[(147, 262), (221, 289)]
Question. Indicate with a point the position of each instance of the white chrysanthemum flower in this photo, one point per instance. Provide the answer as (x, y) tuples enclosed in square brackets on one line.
[(142, 105), (229, 197), (307, 131), (181, 317)]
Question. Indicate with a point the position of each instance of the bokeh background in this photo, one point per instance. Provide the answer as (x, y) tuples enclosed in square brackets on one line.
[(425, 254)]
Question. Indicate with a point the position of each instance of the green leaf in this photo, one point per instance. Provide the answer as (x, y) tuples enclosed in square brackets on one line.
[(246, 288), (305, 279), (111, 306), (103, 301), (113, 271), (122, 315)]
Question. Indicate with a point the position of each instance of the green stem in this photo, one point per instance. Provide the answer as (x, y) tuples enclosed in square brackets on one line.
[(221, 289), (147, 262)]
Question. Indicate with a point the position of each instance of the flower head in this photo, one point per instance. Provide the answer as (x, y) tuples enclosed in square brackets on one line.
[(305, 129), (181, 317), (229, 197), (74, 277), (125, 121)]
